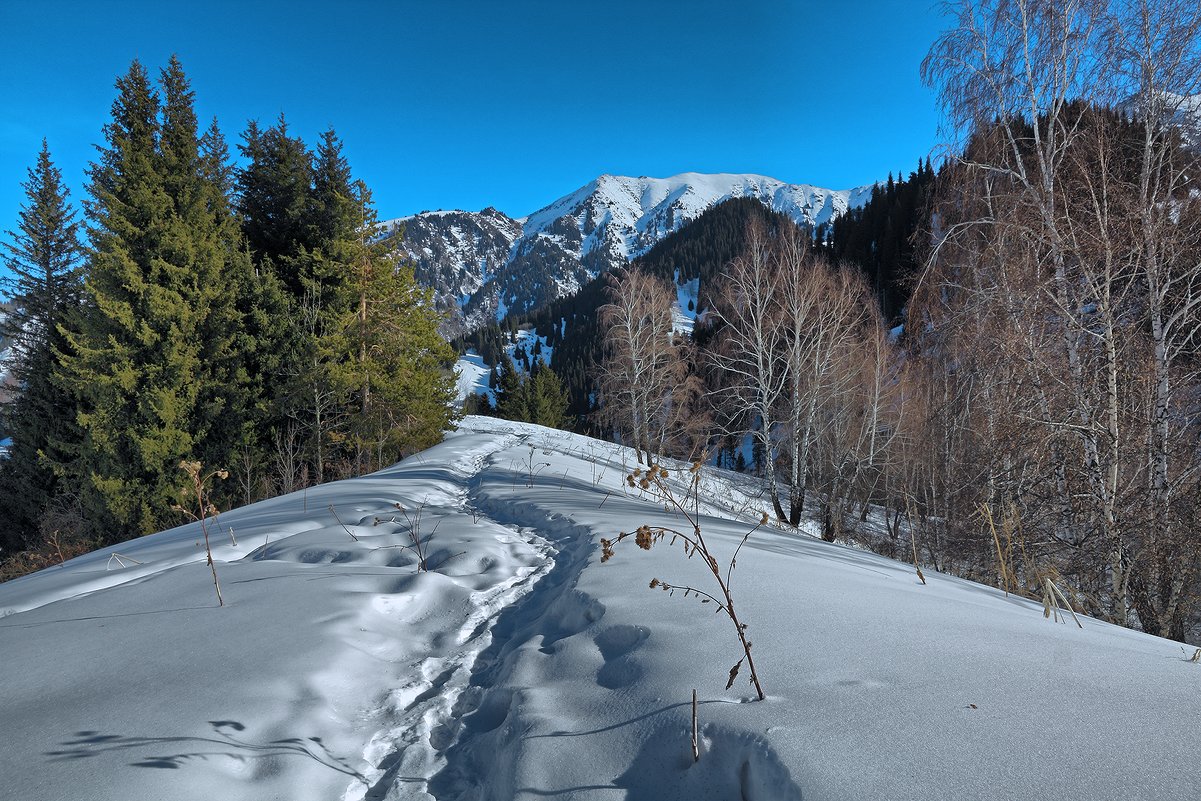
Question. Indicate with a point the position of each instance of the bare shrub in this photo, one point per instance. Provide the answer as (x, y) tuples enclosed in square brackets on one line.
[(203, 507), (656, 480)]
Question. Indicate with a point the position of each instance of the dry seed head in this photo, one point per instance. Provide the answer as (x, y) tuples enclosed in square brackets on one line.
[(655, 583), (643, 538), (763, 520)]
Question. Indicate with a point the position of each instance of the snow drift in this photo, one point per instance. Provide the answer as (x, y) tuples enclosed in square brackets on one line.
[(521, 667)]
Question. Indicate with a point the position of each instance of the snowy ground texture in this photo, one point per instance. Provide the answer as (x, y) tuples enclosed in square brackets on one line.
[(521, 667)]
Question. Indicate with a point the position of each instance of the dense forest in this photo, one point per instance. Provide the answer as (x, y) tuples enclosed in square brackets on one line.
[(242, 322)]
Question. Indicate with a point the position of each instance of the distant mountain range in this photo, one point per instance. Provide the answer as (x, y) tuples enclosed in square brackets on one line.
[(484, 265)]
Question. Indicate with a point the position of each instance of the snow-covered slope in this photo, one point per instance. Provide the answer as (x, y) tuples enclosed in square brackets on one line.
[(601, 225), (520, 667)]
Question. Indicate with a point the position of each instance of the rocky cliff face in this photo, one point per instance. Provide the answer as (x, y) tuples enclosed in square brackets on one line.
[(483, 265)]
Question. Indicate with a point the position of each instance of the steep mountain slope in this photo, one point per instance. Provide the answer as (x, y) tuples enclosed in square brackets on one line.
[(690, 257), (487, 265), (456, 252)]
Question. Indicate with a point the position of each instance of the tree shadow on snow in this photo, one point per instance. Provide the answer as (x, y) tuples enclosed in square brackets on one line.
[(80, 618), (225, 742), (732, 765)]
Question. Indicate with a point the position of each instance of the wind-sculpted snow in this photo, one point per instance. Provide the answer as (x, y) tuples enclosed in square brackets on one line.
[(520, 667)]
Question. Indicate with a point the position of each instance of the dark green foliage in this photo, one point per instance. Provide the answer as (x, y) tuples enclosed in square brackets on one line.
[(208, 327), (547, 398), (43, 259), (150, 354), (479, 403), (488, 341), (879, 236), (275, 200), (512, 399), (364, 376), (535, 397)]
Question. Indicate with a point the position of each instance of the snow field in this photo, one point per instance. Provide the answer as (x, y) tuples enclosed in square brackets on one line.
[(521, 667)]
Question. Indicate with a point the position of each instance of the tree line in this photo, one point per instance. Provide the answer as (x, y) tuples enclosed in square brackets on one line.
[(1037, 426), (242, 315), (1034, 422)]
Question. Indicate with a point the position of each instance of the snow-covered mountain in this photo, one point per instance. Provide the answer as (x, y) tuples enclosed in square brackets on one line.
[(519, 666), (456, 252), (486, 264), (1181, 111), (1186, 115)]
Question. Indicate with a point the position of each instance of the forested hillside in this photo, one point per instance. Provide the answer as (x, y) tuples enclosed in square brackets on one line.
[(236, 325), (1035, 426)]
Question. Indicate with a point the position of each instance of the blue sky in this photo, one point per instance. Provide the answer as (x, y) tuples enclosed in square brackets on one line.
[(511, 104)]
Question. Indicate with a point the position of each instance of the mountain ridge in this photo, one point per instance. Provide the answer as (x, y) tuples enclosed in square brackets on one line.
[(483, 265)]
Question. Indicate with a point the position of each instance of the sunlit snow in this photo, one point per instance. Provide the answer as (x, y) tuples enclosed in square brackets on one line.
[(520, 667)]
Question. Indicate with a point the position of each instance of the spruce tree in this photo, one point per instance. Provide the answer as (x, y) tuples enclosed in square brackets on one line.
[(512, 397), (151, 344), (43, 259), (246, 334), (275, 201), (400, 375), (547, 398)]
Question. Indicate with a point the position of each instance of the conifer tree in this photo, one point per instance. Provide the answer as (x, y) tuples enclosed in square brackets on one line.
[(247, 333), (275, 200), (396, 373), (43, 259), (512, 400), (547, 398), (148, 354)]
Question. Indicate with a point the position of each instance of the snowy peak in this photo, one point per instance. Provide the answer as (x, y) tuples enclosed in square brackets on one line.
[(455, 253), (647, 209), (485, 264)]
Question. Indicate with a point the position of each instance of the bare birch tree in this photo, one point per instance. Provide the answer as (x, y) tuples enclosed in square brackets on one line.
[(1069, 228), (751, 358), (642, 363)]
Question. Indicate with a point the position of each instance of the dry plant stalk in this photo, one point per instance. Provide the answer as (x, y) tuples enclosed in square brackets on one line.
[(420, 547), (1004, 557), (696, 744), (913, 539), (204, 510), (533, 468), (334, 512), (120, 559), (656, 478), (1052, 595)]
